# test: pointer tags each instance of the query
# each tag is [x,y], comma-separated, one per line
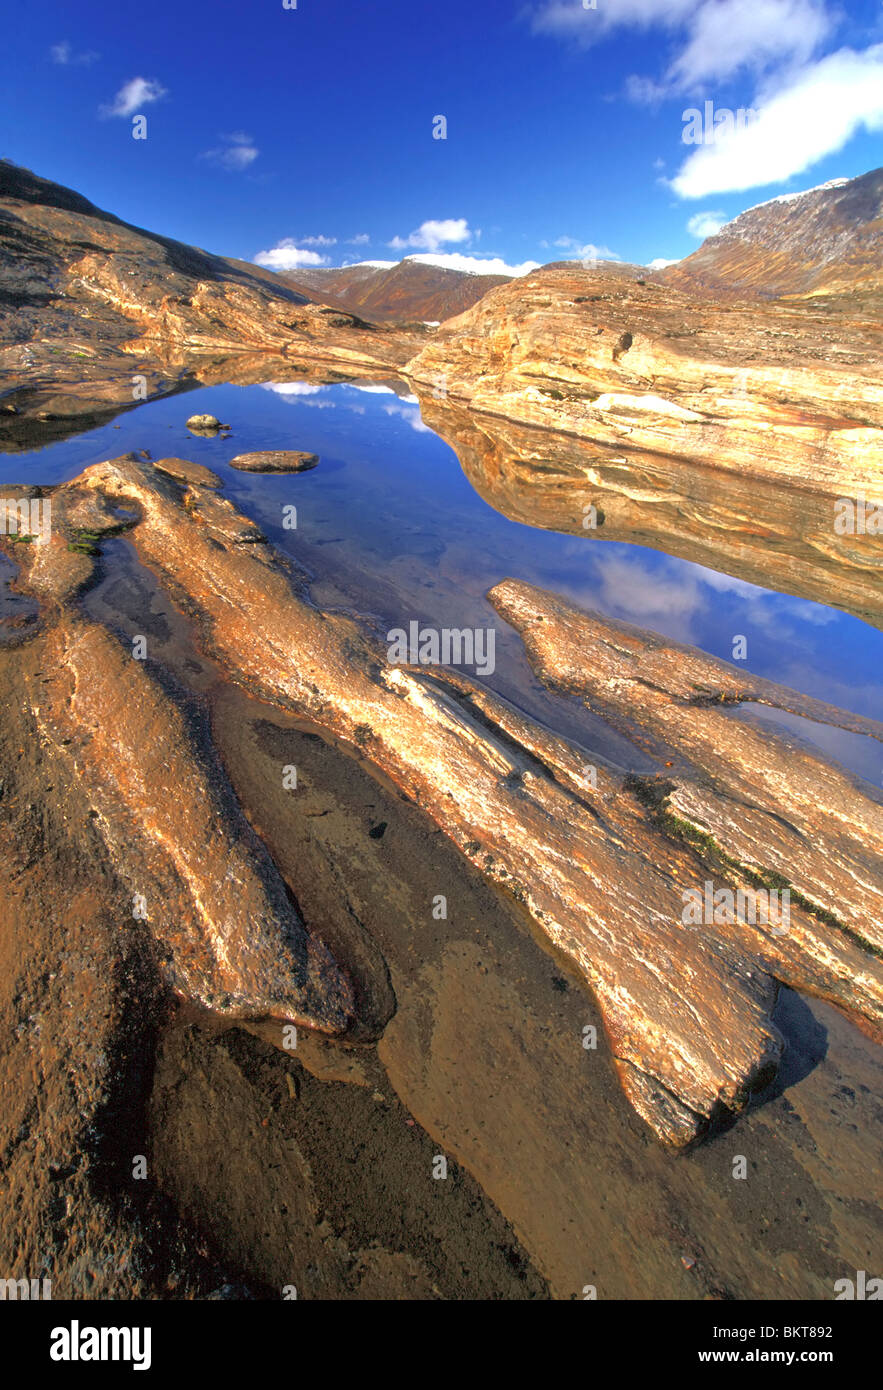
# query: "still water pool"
[389,526]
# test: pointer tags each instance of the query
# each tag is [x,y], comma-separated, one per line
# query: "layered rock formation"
[633,370]
[720,428]
[621,405]
[229,936]
[589,851]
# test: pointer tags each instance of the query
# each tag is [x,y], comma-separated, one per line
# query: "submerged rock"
[275,461]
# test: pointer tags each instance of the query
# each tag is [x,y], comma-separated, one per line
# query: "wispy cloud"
[410,414]
[704,224]
[237,152]
[715,39]
[362,239]
[67,56]
[292,388]
[730,36]
[475,265]
[287,255]
[432,235]
[569,19]
[133,95]
[582,251]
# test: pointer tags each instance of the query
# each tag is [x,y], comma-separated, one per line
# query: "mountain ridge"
[823,240]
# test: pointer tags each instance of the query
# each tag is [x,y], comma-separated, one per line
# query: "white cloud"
[720,37]
[237,152]
[584,251]
[660,263]
[140,91]
[287,255]
[727,36]
[569,19]
[817,111]
[431,235]
[64,54]
[704,224]
[292,388]
[476,265]
[410,415]
[318,240]
[294,393]
[361,240]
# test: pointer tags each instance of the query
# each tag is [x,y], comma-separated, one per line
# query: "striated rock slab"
[228,933]
[230,937]
[687,1011]
[757,808]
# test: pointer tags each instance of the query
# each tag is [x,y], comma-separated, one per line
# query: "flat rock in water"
[275,461]
[186,472]
[204,422]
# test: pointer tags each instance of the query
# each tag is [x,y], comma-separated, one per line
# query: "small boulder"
[275,461]
[204,422]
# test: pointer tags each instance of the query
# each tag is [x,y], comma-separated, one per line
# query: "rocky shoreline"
[163,671]
[689,1020]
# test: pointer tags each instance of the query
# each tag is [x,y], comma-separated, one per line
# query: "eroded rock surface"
[638,369]
[688,1012]
[229,935]
[759,809]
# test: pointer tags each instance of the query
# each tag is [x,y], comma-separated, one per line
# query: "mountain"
[826,240]
[403,290]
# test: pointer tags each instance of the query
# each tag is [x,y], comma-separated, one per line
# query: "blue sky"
[306,135]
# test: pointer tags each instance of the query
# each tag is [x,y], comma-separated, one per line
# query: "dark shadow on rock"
[806,1042]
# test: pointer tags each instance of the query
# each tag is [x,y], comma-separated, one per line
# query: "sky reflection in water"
[390,525]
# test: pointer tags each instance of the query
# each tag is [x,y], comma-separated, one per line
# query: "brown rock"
[275,461]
